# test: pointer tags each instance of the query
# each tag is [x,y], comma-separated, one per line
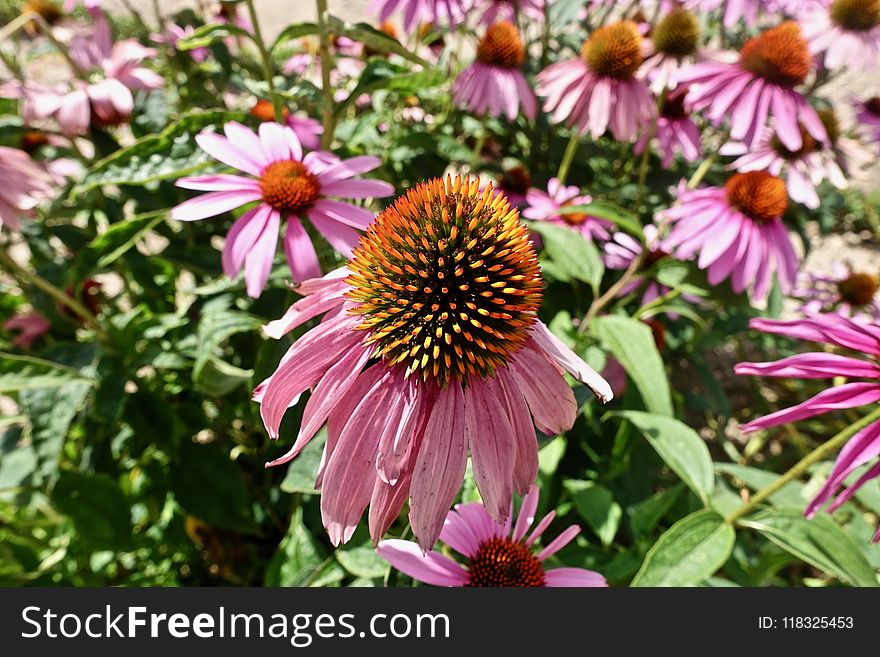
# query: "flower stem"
[568,157]
[706,164]
[644,166]
[268,68]
[804,464]
[24,276]
[600,302]
[328,113]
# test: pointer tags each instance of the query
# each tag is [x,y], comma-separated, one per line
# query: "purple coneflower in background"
[761,84]
[600,89]
[430,344]
[286,185]
[737,231]
[25,184]
[844,333]
[508,10]
[515,183]
[675,131]
[868,115]
[306,129]
[435,12]
[174,33]
[749,11]
[551,206]
[494,83]
[845,32]
[844,291]
[28,327]
[620,251]
[496,556]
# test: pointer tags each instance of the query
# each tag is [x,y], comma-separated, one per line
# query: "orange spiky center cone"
[759,195]
[614,50]
[503,562]
[779,55]
[858,289]
[447,281]
[501,46]
[288,186]
[677,34]
[855,15]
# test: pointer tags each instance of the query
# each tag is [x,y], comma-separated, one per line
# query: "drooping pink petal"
[812,366]
[550,399]
[573,577]
[525,441]
[300,252]
[258,261]
[241,238]
[430,568]
[848,395]
[558,351]
[526,514]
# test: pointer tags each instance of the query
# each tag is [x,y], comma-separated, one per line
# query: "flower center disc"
[858,289]
[503,562]
[572,218]
[677,34]
[873,105]
[289,187]
[614,50]
[447,281]
[779,55]
[674,108]
[501,46]
[831,122]
[808,145]
[264,111]
[31,140]
[757,194]
[856,15]
[515,179]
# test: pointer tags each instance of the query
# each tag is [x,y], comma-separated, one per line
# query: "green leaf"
[31,373]
[645,515]
[373,38]
[610,212]
[818,541]
[362,562]
[573,256]
[210,373]
[632,344]
[688,552]
[171,154]
[383,74]
[564,11]
[301,472]
[295,31]
[112,244]
[298,558]
[98,508]
[596,505]
[680,447]
[209,485]
[206,35]
[757,479]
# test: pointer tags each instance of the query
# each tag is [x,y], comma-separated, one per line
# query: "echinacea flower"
[735,11]
[552,206]
[508,10]
[600,89]
[845,32]
[435,12]
[27,328]
[737,231]
[867,114]
[496,555]
[863,339]
[286,185]
[675,131]
[430,344]
[674,43]
[306,129]
[844,290]
[622,249]
[760,85]
[494,82]
[108,101]
[25,184]
[515,183]
[175,33]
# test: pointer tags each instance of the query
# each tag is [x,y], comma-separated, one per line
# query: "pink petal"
[212,204]
[431,567]
[358,188]
[348,168]
[241,238]
[526,514]
[559,542]
[300,252]
[258,261]
[812,366]
[573,577]
[556,350]
[848,395]
[550,399]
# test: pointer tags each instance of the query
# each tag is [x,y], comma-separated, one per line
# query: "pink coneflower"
[25,184]
[286,185]
[844,291]
[496,556]
[430,343]
[600,89]
[508,10]
[552,206]
[28,329]
[761,84]
[844,333]
[107,102]
[306,129]
[735,11]
[675,131]
[845,32]
[175,33]
[619,253]
[515,183]
[494,83]
[91,6]
[674,43]
[868,116]
[435,12]
[737,231]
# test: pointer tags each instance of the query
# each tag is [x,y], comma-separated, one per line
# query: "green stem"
[328,111]
[804,464]
[24,276]
[644,166]
[568,157]
[268,69]
[602,301]
[659,301]
[705,165]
